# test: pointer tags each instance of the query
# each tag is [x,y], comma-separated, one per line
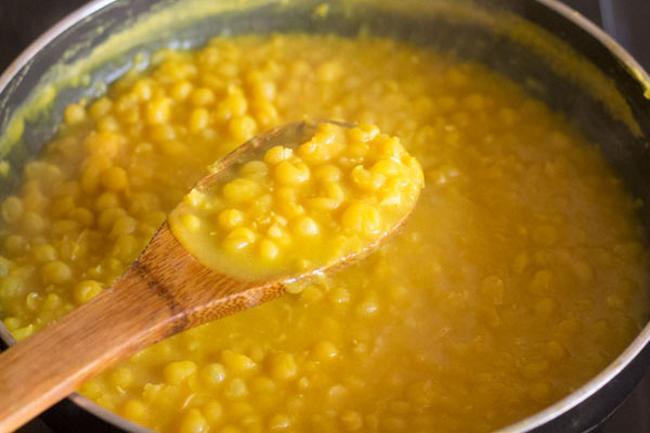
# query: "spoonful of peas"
[300,200]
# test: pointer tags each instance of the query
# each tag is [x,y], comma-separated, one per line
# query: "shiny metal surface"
[577,412]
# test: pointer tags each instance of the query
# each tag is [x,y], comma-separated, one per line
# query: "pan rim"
[531,422]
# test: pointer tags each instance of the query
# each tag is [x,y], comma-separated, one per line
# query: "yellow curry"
[520,274]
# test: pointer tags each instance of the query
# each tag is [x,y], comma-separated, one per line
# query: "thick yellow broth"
[302,206]
[519,276]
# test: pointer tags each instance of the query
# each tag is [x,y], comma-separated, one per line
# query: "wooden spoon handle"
[43,369]
[165,291]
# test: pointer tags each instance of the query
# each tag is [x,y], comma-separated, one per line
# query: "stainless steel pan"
[552,51]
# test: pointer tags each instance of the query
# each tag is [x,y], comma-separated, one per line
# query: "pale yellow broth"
[520,275]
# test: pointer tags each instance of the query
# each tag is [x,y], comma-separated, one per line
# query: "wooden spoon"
[164,291]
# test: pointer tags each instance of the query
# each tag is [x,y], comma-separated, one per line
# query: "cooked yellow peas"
[85,290]
[275,217]
[520,274]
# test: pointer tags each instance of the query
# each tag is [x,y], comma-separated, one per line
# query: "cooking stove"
[21,21]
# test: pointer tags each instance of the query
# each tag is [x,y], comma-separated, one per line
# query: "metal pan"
[549,49]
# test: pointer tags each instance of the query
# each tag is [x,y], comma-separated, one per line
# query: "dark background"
[21,21]
[628,21]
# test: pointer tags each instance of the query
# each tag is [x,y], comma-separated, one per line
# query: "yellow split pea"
[521,272]
[298,210]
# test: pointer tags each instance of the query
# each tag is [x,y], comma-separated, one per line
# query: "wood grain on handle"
[164,292]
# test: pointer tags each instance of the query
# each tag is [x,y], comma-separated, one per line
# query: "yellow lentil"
[74,114]
[176,372]
[85,290]
[114,178]
[56,272]
[12,209]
